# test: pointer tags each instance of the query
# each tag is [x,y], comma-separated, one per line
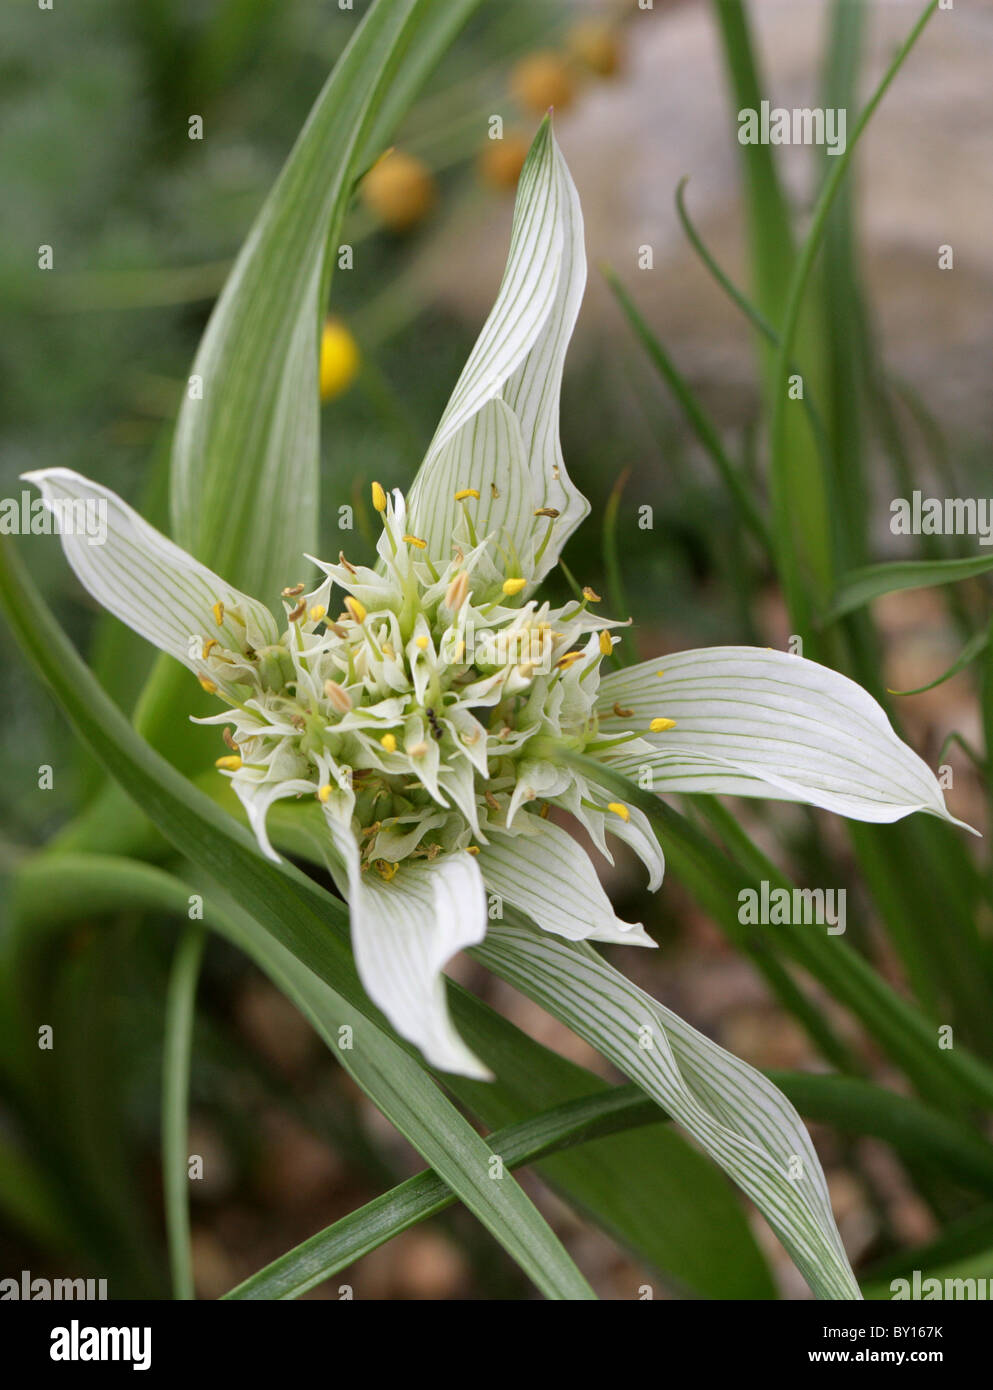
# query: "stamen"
[209,686]
[208,644]
[590,595]
[491,801]
[378,498]
[356,609]
[389,742]
[299,611]
[514,586]
[472,849]
[619,810]
[621,712]
[342,561]
[230,763]
[569,659]
[421,643]
[457,591]
[418,750]
[385,869]
[606,644]
[545,809]
[317,613]
[465,492]
[494,492]
[337,697]
[553,512]
[324,793]
[218,612]
[293,590]
[229,740]
[416,540]
[387,650]
[659,726]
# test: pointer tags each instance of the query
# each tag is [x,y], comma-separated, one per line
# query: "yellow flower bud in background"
[501,161]
[339,359]
[399,190]
[542,80]
[595,44]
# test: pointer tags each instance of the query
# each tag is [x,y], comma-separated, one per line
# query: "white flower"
[425,703]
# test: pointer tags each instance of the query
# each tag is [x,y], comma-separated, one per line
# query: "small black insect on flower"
[436,728]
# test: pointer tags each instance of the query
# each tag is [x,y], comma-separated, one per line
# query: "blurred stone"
[277,1029]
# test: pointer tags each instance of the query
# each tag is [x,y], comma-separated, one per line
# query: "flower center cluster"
[426,705]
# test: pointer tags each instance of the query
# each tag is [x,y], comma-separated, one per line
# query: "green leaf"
[424,1195]
[975,646]
[245,470]
[176,1054]
[916,1131]
[861,586]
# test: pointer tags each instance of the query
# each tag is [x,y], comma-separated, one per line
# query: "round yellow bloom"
[542,80]
[339,359]
[595,44]
[400,190]
[501,161]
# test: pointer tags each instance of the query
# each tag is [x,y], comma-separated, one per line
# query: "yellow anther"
[590,595]
[660,673]
[459,651]
[569,659]
[513,586]
[218,612]
[385,869]
[230,763]
[659,726]
[421,643]
[378,497]
[208,644]
[317,613]
[356,609]
[606,645]
[389,742]
[387,650]
[472,849]
[619,810]
[209,686]
[465,492]
[543,813]
[323,793]
[416,540]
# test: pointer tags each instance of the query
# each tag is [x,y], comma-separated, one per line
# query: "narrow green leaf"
[861,586]
[176,1055]
[245,469]
[424,1195]
[916,1131]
